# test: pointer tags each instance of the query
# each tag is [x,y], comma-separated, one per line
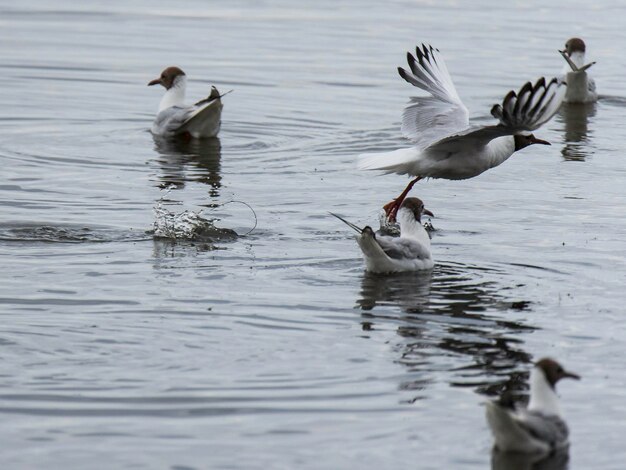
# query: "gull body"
[175,118]
[539,428]
[408,252]
[581,88]
[445,146]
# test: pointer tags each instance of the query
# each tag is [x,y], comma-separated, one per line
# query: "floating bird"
[445,146]
[408,252]
[581,88]
[540,428]
[175,118]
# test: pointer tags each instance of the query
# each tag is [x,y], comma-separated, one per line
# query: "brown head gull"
[445,146]
[581,88]
[408,252]
[175,118]
[539,428]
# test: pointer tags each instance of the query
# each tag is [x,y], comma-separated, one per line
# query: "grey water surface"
[274,349]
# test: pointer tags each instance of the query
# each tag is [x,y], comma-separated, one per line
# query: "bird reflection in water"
[442,318]
[575,118]
[183,160]
[517,461]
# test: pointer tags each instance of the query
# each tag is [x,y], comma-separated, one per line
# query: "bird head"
[169,77]
[524,140]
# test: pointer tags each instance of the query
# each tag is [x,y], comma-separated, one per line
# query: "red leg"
[391,208]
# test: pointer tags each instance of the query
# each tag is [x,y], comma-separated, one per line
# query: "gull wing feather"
[206,113]
[178,119]
[402,248]
[524,111]
[428,119]
[550,429]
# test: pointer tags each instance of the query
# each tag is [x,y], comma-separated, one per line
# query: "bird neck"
[500,149]
[175,96]
[411,228]
[543,398]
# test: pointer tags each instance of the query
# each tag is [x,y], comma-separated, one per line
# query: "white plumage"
[175,118]
[445,146]
[539,428]
[581,88]
[408,252]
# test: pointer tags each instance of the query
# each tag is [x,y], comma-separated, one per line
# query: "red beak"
[539,141]
[428,213]
[156,81]
[570,375]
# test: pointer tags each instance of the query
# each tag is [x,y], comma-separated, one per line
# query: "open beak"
[428,213]
[156,81]
[570,375]
[535,140]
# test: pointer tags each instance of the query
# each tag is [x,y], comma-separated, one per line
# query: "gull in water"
[175,118]
[540,428]
[408,252]
[581,88]
[445,146]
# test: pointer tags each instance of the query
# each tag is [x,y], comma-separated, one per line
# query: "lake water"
[276,350]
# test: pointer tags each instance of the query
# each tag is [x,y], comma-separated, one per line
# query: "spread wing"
[402,248]
[428,119]
[524,111]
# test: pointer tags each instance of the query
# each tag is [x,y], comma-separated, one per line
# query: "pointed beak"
[562,51]
[539,141]
[570,375]
[428,213]
[156,81]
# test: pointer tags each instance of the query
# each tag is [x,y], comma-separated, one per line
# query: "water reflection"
[575,117]
[515,461]
[184,160]
[443,311]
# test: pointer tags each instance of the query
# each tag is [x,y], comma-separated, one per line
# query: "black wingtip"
[496,111]
[541,83]
[419,54]
[214,93]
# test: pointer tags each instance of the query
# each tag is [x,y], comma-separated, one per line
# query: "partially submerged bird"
[581,88]
[408,252]
[175,118]
[540,427]
[445,146]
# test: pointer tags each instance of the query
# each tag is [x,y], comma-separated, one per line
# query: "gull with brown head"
[539,428]
[174,118]
[445,146]
[408,252]
[581,88]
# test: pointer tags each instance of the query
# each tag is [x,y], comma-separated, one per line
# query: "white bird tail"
[399,161]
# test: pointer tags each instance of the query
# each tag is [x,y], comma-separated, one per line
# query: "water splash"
[188,226]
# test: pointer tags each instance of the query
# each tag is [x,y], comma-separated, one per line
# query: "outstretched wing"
[429,119]
[532,106]
[524,111]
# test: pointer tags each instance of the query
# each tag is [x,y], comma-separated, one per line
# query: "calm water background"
[277,350]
